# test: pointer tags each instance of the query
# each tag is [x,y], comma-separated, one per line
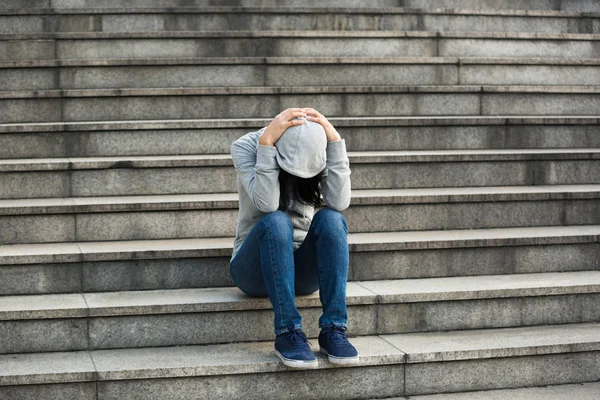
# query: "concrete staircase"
[473,130]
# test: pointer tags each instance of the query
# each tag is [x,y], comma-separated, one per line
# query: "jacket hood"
[302,149]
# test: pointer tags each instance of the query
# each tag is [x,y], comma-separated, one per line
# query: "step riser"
[64,391]
[218,141]
[267,21]
[203,272]
[204,328]
[382,381]
[144,48]
[359,382]
[567,5]
[140,181]
[500,373]
[304,75]
[181,224]
[266,105]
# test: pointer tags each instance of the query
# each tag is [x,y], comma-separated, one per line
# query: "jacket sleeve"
[258,171]
[335,183]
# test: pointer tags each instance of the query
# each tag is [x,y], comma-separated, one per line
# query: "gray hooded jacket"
[258,185]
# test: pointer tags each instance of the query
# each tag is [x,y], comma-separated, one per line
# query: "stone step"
[90,321]
[579,391]
[198,174]
[340,101]
[24,21]
[568,5]
[390,365]
[177,44]
[83,219]
[135,138]
[307,71]
[204,262]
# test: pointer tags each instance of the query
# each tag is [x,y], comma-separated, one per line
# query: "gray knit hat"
[302,149]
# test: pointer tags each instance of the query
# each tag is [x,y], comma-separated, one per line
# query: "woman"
[282,247]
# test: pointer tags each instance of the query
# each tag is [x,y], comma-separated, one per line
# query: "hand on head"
[315,116]
[287,118]
[280,123]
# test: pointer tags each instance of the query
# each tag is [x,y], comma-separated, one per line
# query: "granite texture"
[435,347]
[487,313]
[380,211]
[298,43]
[19,185]
[64,391]
[569,5]
[166,103]
[470,261]
[487,374]
[156,225]
[49,306]
[40,278]
[44,335]
[234,358]
[310,19]
[582,391]
[451,72]
[210,327]
[197,140]
[124,181]
[156,274]
[351,383]
[481,47]
[358,242]
[37,228]
[369,172]
[202,316]
[253,75]
[46,368]
[437,362]
[248,47]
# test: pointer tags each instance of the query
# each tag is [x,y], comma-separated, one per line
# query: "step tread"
[359,197]
[579,391]
[358,157]
[256,123]
[170,301]
[374,241]
[256,357]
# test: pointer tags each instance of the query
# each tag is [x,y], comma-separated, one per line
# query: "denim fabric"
[267,265]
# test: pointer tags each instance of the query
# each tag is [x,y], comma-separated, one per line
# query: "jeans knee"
[280,224]
[330,220]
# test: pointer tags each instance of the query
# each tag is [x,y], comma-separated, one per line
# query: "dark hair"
[306,190]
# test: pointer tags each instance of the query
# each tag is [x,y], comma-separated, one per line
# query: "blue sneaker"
[334,342]
[293,349]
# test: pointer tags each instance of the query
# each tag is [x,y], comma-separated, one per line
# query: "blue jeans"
[267,265]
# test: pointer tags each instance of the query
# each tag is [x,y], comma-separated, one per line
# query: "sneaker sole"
[340,360]
[297,363]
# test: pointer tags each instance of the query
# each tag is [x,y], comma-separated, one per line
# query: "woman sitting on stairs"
[282,247]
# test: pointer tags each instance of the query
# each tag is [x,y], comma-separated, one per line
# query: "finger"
[293,122]
[312,111]
[297,114]
[293,110]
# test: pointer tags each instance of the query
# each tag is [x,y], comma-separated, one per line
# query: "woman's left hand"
[315,116]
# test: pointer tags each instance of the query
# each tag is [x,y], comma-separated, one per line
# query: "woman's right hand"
[280,123]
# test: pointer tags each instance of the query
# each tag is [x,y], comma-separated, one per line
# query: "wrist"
[265,140]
